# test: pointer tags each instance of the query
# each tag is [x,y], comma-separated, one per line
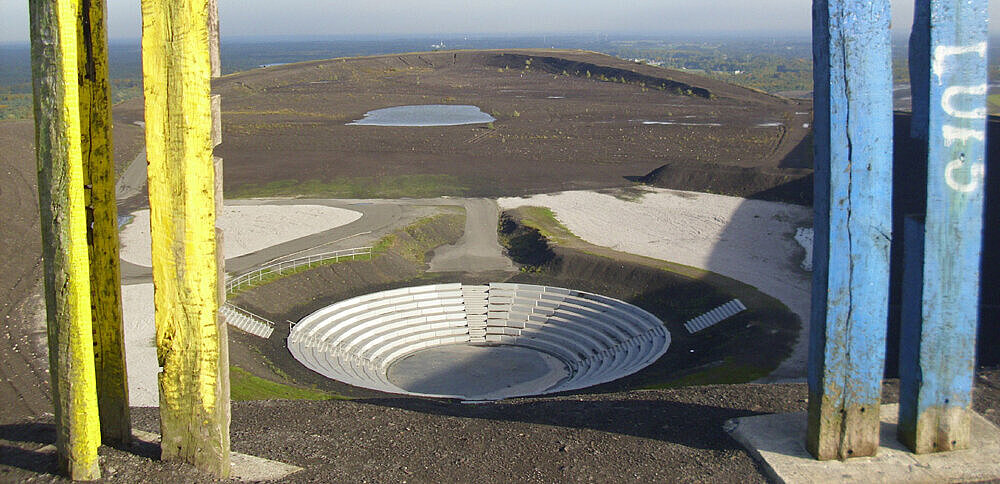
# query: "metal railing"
[247,321]
[278,268]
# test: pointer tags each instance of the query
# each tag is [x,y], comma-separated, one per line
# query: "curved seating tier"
[597,338]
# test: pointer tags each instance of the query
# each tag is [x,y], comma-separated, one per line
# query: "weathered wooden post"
[99,179]
[79,231]
[194,393]
[941,280]
[853,194]
[64,235]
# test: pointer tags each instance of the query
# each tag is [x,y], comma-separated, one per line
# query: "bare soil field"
[645,436]
[24,385]
[565,120]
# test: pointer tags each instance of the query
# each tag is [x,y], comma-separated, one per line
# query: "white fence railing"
[281,267]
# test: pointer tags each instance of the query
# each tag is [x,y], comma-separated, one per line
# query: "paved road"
[478,249]
[131,182]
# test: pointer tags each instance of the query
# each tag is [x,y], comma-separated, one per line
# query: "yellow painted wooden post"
[102,218]
[194,396]
[64,234]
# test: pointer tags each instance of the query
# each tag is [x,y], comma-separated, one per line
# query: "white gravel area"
[749,240]
[140,345]
[247,228]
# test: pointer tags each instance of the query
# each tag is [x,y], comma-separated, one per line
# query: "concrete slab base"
[243,467]
[778,442]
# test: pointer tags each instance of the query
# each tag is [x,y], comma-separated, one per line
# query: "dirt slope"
[24,381]
[24,385]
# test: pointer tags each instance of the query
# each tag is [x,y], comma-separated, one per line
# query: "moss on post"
[102,236]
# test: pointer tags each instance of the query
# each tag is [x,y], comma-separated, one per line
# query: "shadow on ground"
[30,446]
[21,443]
[688,424]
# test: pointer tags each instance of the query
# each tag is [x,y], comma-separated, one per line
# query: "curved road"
[131,181]
[477,250]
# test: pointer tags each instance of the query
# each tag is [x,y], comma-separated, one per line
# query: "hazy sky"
[397,17]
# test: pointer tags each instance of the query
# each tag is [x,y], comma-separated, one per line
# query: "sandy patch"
[248,228]
[140,345]
[749,240]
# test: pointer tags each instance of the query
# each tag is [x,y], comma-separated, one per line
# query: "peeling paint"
[941,273]
[851,251]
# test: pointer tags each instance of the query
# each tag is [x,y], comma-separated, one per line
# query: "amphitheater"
[478,342]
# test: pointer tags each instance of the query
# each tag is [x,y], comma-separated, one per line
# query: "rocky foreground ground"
[644,436]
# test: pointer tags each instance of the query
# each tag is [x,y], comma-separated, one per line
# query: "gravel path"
[478,249]
[133,179]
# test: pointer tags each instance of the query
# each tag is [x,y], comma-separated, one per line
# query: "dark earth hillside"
[285,127]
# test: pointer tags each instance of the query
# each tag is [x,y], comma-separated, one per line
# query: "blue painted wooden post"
[853,196]
[949,42]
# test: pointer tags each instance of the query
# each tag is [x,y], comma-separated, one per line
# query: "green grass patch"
[398,186]
[426,234]
[545,222]
[384,244]
[245,386]
[726,373]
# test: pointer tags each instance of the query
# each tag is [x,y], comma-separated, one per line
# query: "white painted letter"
[976,174]
[978,113]
[952,134]
[942,52]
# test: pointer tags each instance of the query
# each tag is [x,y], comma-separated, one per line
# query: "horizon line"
[615,35]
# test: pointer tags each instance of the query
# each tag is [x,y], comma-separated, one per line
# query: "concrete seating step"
[597,338]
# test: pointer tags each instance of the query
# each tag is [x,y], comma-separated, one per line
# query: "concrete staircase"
[715,316]
[247,321]
[476,310]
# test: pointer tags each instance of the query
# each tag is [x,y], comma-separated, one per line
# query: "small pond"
[425,115]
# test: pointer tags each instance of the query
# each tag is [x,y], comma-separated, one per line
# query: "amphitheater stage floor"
[477,372]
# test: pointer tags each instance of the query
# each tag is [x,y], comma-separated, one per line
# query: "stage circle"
[478,342]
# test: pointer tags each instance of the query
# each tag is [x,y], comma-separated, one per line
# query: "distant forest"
[776,65]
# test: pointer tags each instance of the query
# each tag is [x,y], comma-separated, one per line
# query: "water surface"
[425,115]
